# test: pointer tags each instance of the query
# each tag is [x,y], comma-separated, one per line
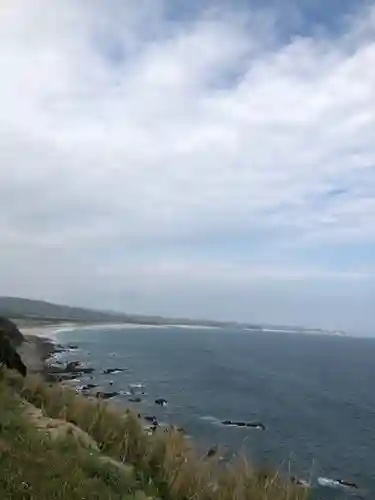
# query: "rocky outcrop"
[10,330]
[10,357]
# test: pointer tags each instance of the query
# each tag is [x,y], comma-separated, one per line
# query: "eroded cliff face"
[10,339]
[10,330]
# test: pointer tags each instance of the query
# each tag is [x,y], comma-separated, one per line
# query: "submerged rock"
[135,399]
[72,347]
[76,367]
[254,425]
[336,483]
[161,402]
[152,419]
[348,484]
[86,370]
[113,371]
[72,365]
[88,387]
[106,395]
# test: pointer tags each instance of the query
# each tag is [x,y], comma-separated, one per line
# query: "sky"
[206,159]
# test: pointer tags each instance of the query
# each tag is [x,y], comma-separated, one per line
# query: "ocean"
[314,393]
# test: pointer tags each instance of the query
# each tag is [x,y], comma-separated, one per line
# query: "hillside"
[29,310]
[55,444]
[15,307]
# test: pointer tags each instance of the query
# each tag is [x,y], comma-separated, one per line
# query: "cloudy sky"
[203,158]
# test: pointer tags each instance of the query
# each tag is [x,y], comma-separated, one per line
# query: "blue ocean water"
[314,393]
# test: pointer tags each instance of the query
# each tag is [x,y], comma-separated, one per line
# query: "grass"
[165,465]
[34,467]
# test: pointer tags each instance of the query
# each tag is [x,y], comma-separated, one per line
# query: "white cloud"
[121,129]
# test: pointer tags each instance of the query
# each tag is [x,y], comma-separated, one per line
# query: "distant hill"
[40,310]
[29,309]
[15,307]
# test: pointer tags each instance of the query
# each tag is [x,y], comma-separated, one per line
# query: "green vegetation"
[55,444]
[32,466]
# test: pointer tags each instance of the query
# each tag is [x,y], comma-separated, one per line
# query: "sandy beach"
[51,331]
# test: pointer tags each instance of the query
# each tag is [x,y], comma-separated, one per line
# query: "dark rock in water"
[61,377]
[212,452]
[348,484]
[106,395]
[239,424]
[10,330]
[10,357]
[59,348]
[113,371]
[161,402]
[72,347]
[135,400]
[151,419]
[72,366]
[76,367]
[88,387]
[254,425]
[86,370]
[55,369]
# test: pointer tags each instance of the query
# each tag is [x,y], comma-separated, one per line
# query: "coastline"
[34,351]
[42,341]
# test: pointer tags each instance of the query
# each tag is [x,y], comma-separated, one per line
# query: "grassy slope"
[34,467]
[164,465]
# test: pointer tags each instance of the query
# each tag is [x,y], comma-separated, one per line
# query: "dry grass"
[34,467]
[165,462]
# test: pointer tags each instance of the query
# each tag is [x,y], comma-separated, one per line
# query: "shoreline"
[43,342]
[51,331]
